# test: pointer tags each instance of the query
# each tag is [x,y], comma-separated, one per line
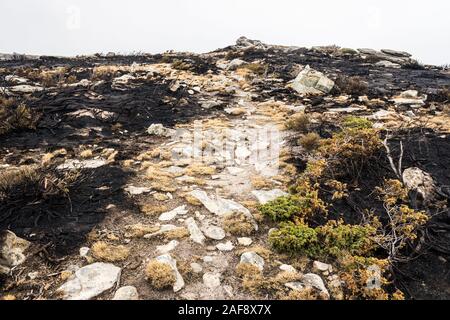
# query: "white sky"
[70,27]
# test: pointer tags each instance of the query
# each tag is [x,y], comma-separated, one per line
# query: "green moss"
[357,123]
[333,239]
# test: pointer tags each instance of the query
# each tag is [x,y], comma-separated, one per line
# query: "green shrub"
[337,237]
[282,209]
[357,123]
[295,238]
[333,239]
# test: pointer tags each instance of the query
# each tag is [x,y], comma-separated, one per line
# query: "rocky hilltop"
[251,172]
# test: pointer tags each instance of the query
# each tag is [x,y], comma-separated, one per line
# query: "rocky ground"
[142,177]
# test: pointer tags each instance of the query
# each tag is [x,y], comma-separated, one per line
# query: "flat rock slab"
[267,196]
[90,281]
[166,216]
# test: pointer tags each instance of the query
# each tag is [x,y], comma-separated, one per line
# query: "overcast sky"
[70,27]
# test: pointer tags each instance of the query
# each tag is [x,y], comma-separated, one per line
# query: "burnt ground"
[88,115]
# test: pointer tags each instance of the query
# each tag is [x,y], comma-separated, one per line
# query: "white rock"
[135,191]
[410,97]
[196,234]
[244,241]
[288,268]
[320,266]
[179,282]
[90,281]
[25,88]
[213,232]
[167,247]
[126,293]
[84,251]
[266,196]
[77,164]
[166,216]
[253,258]
[196,267]
[227,246]
[211,280]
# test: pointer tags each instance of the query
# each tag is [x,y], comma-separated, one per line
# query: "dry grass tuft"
[309,141]
[237,224]
[153,210]
[198,169]
[160,275]
[299,122]
[139,230]
[107,252]
[176,234]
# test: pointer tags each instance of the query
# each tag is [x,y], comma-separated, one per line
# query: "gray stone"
[395,53]
[90,281]
[213,232]
[126,293]
[421,182]
[310,81]
[253,258]
[196,234]
[166,216]
[12,250]
[315,281]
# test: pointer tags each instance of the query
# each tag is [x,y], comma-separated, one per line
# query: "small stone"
[211,280]
[320,266]
[196,267]
[244,241]
[126,293]
[196,234]
[315,281]
[166,216]
[227,246]
[160,196]
[159,130]
[12,251]
[84,251]
[214,232]
[288,268]
[135,191]
[167,247]
[253,258]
